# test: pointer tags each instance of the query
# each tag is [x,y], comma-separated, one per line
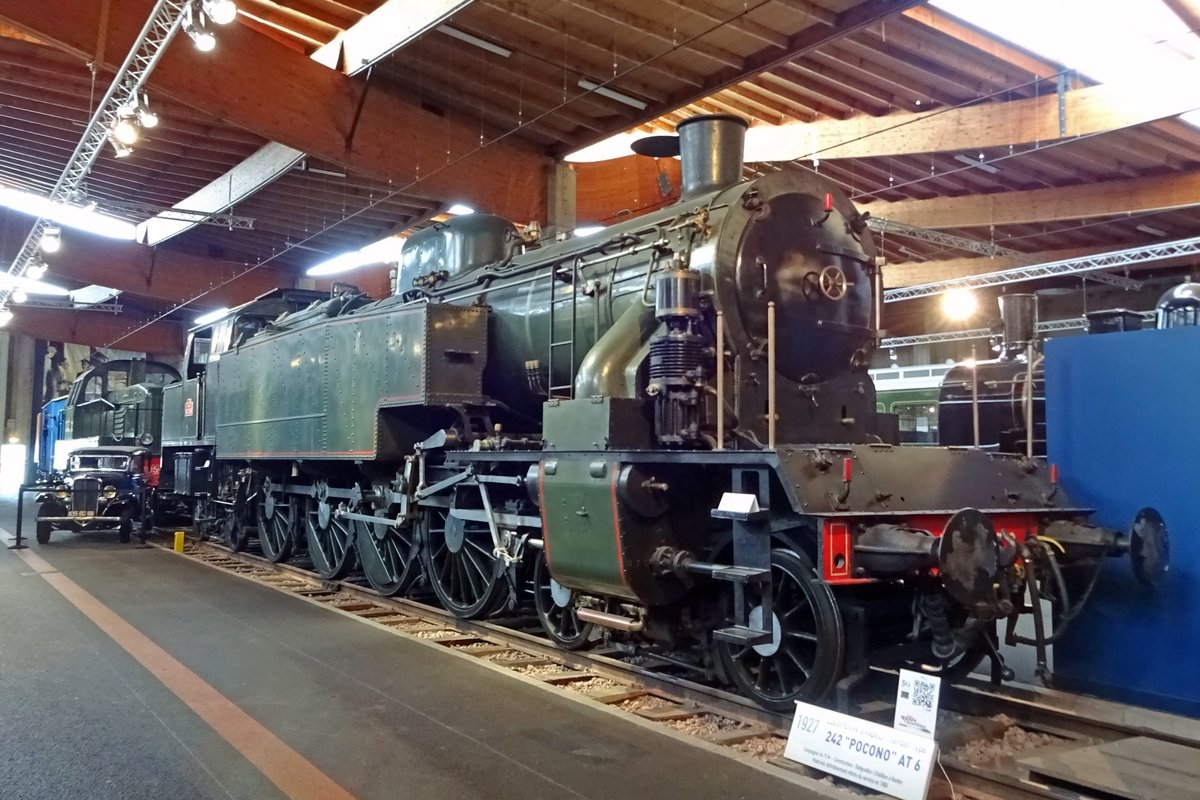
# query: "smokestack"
[1018,313]
[711,148]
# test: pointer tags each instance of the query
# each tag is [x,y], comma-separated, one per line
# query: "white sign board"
[917,703]
[738,503]
[876,756]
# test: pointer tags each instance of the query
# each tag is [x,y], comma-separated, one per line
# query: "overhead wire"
[617,76]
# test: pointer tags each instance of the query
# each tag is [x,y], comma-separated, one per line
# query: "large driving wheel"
[276,523]
[388,554]
[804,657]
[466,576]
[557,609]
[234,531]
[330,538]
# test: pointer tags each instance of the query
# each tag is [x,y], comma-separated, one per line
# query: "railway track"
[984,733]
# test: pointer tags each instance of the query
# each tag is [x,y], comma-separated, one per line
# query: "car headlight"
[60,494]
[110,492]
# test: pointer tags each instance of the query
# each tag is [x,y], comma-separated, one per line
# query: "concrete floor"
[379,715]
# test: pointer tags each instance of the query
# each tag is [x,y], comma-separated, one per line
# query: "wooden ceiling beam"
[287,39]
[918,272]
[294,100]
[981,41]
[810,38]
[159,273]
[1108,198]
[508,79]
[749,27]
[807,75]
[1088,111]
[532,17]
[310,30]
[99,329]
[649,29]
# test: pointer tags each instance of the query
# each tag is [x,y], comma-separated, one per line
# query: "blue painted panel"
[1123,424]
[52,431]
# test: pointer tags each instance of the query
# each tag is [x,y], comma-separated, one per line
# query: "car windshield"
[100,461]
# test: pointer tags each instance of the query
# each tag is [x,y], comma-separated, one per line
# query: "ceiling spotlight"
[51,240]
[119,150]
[5,317]
[18,296]
[221,12]
[195,25]
[203,40]
[458,209]
[36,271]
[126,129]
[146,116]
[959,304]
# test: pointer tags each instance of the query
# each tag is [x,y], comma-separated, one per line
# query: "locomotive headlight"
[110,492]
[959,304]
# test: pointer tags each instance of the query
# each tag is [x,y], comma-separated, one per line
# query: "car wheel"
[125,530]
[44,528]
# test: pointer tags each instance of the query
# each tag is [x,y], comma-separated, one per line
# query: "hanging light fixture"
[36,271]
[126,129]
[195,25]
[199,14]
[146,116]
[222,12]
[51,241]
[18,296]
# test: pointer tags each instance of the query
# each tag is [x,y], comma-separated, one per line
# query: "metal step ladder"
[564,391]
[752,561]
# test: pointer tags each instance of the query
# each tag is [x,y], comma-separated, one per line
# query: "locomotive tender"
[665,432]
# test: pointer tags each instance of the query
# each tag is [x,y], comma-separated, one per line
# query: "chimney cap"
[713,118]
[667,145]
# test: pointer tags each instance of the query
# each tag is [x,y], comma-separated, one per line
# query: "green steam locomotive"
[662,436]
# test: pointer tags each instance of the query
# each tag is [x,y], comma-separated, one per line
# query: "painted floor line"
[296,776]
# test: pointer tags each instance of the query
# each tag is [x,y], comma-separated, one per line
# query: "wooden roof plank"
[1067,203]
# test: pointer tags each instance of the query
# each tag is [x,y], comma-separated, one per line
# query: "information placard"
[876,756]
[917,697]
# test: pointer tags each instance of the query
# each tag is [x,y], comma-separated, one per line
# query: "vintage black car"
[102,488]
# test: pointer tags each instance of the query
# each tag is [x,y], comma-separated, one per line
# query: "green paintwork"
[321,390]
[596,423]
[181,428]
[580,529]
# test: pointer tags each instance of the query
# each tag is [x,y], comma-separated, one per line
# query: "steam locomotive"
[663,436]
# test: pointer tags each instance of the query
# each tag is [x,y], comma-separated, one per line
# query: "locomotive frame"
[664,436]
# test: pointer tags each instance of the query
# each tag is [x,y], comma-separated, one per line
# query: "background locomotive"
[666,430]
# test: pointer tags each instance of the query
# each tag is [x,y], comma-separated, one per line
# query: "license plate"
[81,513]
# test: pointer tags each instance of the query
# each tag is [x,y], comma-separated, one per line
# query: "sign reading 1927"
[895,762]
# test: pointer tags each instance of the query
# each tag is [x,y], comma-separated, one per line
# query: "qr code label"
[917,702]
[923,694]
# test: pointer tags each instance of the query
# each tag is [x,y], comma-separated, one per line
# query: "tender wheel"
[388,555]
[330,540]
[804,658]
[276,525]
[556,609]
[233,529]
[466,577]
[125,526]
[44,529]
[957,668]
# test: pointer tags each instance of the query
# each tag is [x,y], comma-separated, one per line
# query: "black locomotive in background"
[663,435]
